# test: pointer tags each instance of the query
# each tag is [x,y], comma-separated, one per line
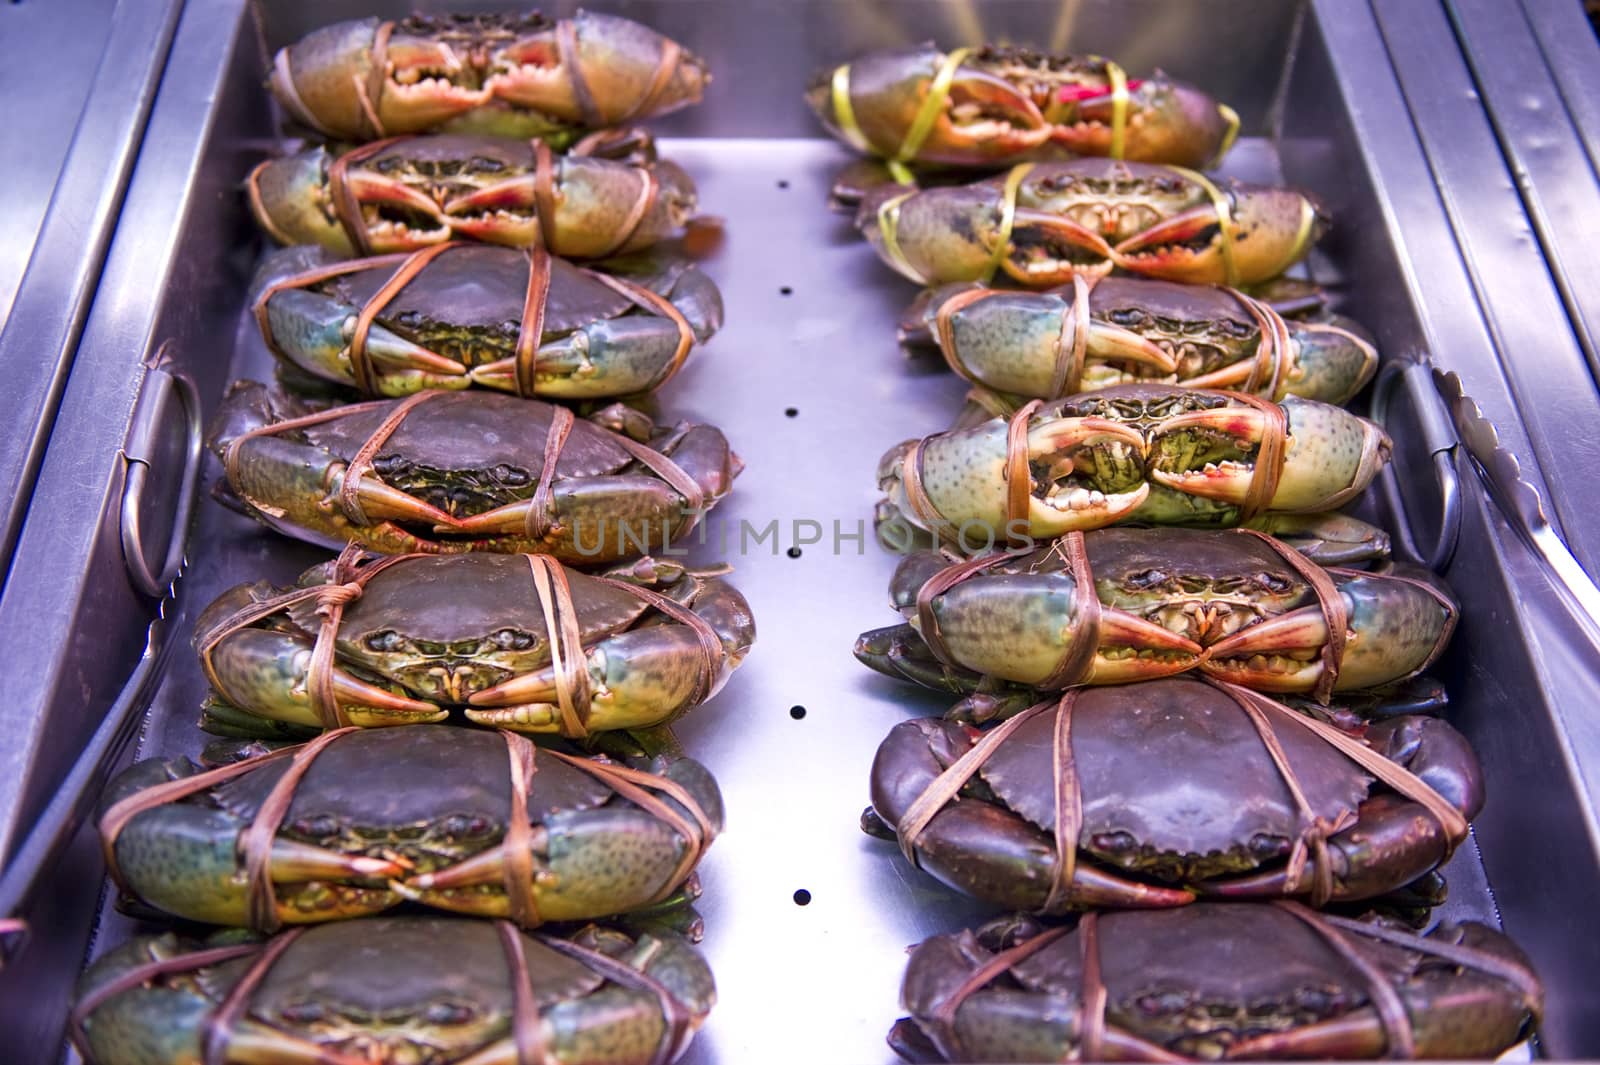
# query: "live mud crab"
[1235,605]
[513,641]
[1151,795]
[359,821]
[461,315]
[406,193]
[991,106]
[1157,454]
[395,991]
[509,75]
[1215,982]
[449,472]
[1041,223]
[1080,337]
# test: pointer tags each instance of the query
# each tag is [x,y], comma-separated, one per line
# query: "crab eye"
[320,827]
[465,826]
[388,640]
[448,1013]
[307,1012]
[1127,316]
[509,475]
[428,647]
[512,640]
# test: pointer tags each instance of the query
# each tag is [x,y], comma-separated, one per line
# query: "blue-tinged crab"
[1151,795]
[514,641]
[992,106]
[1233,604]
[449,472]
[1157,454]
[485,824]
[406,193]
[1215,982]
[510,75]
[1042,223]
[459,315]
[394,991]
[1081,338]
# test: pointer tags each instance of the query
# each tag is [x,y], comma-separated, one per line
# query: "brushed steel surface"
[815,982]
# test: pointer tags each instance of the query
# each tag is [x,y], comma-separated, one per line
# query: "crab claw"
[314,332]
[1335,360]
[1047,249]
[1082,454]
[287,196]
[1273,229]
[1176,123]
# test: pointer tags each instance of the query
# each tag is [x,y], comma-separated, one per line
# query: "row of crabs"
[506,584]
[1194,752]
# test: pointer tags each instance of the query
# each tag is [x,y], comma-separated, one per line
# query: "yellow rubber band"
[1226,228]
[1231,117]
[1008,218]
[888,227]
[844,114]
[932,105]
[1302,240]
[900,172]
[1119,107]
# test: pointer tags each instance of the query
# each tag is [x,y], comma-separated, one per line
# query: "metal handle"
[1521,505]
[144,432]
[69,808]
[1440,439]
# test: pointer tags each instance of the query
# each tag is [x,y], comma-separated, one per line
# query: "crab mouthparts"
[1092,466]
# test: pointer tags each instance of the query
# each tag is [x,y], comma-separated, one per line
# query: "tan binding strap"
[346,205]
[1018,477]
[653,301]
[710,644]
[258,206]
[544,194]
[316,276]
[1083,639]
[230,455]
[530,332]
[1093,996]
[141,974]
[944,1014]
[527,1031]
[217,1031]
[1067,379]
[1518,976]
[568,662]
[361,463]
[360,361]
[369,91]
[1335,614]
[649,191]
[1399,1038]
[1008,219]
[677,1023]
[1267,470]
[922,508]
[666,66]
[1068,807]
[567,49]
[1118,80]
[937,585]
[516,847]
[1227,227]
[539,523]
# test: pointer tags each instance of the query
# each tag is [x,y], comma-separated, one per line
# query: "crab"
[1042,223]
[394,991]
[1157,454]
[1148,986]
[448,472]
[1150,795]
[509,75]
[317,832]
[1034,345]
[992,106]
[406,193]
[499,637]
[460,316]
[1236,605]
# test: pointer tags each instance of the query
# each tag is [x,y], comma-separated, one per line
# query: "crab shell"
[456,324]
[1158,454]
[1139,330]
[418,814]
[1207,982]
[1172,600]
[434,633]
[415,192]
[494,74]
[398,991]
[1007,104]
[1180,799]
[458,475]
[1088,216]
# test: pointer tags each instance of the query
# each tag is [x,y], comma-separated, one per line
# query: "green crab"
[459,320]
[1033,345]
[485,634]
[1042,223]
[509,75]
[1231,604]
[1295,985]
[394,991]
[994,105]
[450,472]
[1156,454]
[406,193]
[596,838]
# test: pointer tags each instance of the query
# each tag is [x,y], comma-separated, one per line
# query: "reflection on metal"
[1440,442]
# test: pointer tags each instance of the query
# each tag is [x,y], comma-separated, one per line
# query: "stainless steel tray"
[809,385]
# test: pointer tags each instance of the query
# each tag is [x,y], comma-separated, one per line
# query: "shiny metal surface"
[791,737]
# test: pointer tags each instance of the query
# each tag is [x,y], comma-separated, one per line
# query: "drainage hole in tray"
[794,552]
[797,712]
[786,291]
[791,412]
[802,897]
[783,183]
